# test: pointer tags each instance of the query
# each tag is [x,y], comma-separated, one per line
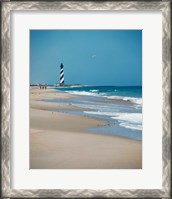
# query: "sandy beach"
[61,140]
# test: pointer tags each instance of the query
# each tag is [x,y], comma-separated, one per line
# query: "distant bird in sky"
[93,56]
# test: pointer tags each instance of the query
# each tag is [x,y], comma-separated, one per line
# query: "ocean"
[121,106]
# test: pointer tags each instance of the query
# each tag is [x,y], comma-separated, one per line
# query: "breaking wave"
[95,93]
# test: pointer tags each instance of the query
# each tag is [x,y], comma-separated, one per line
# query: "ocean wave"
[82,93]
[137,101]
[94,91]
[129,120]
[131,126]
[100,113]
[130,99]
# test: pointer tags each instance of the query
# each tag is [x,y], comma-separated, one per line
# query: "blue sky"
[90,57]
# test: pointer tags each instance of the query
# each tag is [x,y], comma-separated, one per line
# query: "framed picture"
[86,99]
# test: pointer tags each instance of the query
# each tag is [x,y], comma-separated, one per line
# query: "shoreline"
[61,140]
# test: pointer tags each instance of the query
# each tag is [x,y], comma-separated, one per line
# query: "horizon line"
[55,84]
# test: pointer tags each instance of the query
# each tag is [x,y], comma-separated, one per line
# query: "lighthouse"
[61,75]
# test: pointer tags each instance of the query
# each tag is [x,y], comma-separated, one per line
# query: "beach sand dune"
[61,140]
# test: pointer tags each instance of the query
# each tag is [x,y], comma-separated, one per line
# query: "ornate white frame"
[7,7]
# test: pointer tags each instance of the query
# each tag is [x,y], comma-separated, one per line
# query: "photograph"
[85,99]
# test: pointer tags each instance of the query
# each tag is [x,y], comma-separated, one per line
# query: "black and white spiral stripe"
[61,74]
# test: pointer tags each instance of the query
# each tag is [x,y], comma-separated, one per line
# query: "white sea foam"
[137,101]
[94,91]
[130,120]
[82,93]
[100,113]
[127,120]
[131,126]
[134,100]
[130,99]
